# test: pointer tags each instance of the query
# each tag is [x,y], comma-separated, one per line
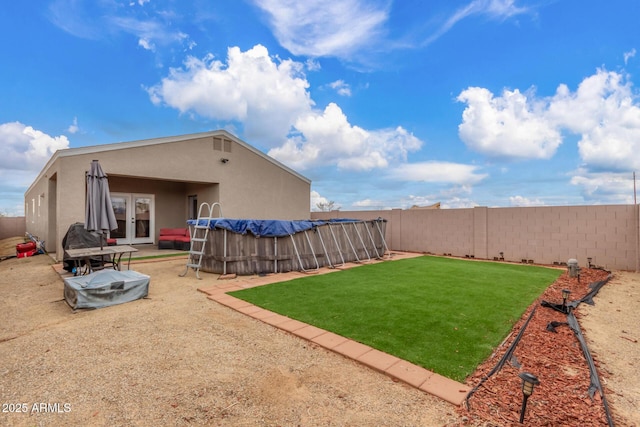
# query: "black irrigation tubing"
[572,322]
[508,354]
[595,380]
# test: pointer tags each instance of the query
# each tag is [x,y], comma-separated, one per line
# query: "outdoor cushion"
[174,238]
[174,232]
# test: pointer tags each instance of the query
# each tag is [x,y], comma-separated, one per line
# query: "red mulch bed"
[562,398]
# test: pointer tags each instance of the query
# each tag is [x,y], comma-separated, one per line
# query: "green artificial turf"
[444,314]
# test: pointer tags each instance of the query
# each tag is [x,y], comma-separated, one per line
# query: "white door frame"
[138,220]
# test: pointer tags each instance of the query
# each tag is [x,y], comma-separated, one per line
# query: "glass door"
[136,217]
[120,203]
[142,218]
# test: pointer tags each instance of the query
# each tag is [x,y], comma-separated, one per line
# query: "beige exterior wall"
[544,235]
[248,184]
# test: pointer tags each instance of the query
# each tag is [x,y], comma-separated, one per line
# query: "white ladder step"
[199,234]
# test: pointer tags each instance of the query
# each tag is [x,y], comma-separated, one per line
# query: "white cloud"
[328,138]
[442,172]
[312,65]
[347,28]
[149,32]
[605,187]
[494,9]
[499,9]
[458,203]
[26,148]
[25,151]
[629,55]
[603,111]
[319,28]
[370,204]
[264,93]
[341,87]
[525,201]
[146,45]
[316,199]
[105,19]
[512,125]
[270,98]
[74,18]
[73,128]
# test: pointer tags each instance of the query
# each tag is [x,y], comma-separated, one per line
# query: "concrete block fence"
[12,226]
[607,234]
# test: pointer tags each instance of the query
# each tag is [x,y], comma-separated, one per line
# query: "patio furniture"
[108,254]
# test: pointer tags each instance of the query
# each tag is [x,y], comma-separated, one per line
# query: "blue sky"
[382,104]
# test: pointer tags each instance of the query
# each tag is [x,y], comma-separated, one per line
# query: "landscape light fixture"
[589,261]
[565,297]
[501,256]
[529,381]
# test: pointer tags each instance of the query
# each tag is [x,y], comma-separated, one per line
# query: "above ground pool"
[249,246]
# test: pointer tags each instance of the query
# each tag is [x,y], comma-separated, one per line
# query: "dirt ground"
[612,328]
[177,358]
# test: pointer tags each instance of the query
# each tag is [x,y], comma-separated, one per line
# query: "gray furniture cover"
[104,288]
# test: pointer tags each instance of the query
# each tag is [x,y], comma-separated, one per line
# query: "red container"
[25,247]
[32,252]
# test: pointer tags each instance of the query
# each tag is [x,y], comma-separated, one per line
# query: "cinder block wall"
[544,235]
[12,226]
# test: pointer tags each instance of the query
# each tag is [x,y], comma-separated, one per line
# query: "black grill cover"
[77,237]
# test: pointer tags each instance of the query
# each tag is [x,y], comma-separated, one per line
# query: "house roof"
[158,141]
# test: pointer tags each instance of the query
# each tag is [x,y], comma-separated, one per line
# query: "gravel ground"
[612,330]
[177,358]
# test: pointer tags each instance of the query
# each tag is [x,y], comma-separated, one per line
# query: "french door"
[135,214]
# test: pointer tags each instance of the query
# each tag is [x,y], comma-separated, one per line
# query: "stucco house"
[159,183]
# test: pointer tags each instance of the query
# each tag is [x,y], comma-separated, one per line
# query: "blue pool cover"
[266,227]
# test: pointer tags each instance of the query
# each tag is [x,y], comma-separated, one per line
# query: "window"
[193,206]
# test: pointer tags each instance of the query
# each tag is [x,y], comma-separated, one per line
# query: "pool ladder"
[198,234]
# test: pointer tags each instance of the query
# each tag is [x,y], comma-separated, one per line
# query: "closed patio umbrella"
[99,215]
